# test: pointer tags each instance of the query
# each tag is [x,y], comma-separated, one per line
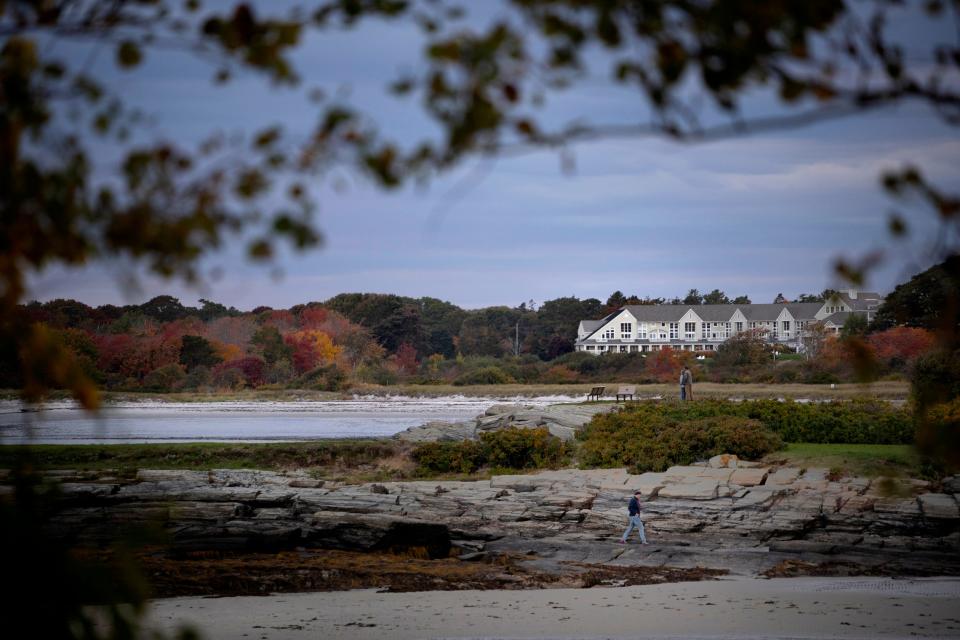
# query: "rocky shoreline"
[561,420]
[728,516]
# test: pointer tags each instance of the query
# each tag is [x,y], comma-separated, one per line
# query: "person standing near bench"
[686,384]
[635,522]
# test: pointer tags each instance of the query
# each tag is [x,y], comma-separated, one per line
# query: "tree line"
[351,338]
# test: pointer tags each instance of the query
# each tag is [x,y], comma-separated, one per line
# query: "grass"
[885,390]
[870,460]
[346,457]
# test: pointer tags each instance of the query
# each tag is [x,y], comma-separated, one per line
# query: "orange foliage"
[665,365]
[901,344]
[311,348]
[226,351]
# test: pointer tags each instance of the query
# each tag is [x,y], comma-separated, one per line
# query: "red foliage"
[282,320]
[191,326]
[313,317]
[135,356]
[251,367]
[407,358]
[311,348]
[665,365]
[900,345]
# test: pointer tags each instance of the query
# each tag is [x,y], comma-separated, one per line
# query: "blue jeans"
[635,523]
[683,392]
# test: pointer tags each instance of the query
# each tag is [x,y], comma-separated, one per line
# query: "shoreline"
[734,607]
[882,390]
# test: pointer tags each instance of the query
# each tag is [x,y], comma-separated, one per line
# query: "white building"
[642,328]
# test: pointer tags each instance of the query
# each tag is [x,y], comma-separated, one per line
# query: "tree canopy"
[484,84]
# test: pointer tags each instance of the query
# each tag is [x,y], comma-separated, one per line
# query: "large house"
[641,328]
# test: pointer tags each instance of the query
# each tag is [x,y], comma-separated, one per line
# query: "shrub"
[448,457]
[649,442]
[328,378]
[251,368]
[522,448]
[165,378]
[486,375]
[559,374]
[506,448]
[377,374]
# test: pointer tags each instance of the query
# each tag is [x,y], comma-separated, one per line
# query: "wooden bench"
[625,392]
[595,393]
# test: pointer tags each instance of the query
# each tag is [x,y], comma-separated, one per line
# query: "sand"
[728,608]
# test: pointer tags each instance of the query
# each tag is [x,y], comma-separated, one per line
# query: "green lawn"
[871,460]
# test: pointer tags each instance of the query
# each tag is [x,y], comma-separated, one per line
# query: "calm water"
[65,423]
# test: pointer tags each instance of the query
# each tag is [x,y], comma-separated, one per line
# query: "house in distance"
[644,328]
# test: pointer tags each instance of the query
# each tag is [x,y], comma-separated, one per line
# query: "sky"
[756,215]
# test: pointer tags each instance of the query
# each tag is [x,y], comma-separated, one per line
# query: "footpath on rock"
[233,532]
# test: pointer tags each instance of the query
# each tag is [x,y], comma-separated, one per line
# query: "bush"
[505,448]
[377,374]
[648,442]
[165,378]
[677,431]
[328,378]
[522,448]
[486,375]
[448,457]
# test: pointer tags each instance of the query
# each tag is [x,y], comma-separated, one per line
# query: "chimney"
[851,293]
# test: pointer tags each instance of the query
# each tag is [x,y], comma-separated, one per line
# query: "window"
[608,334]
[589,347]
[623,348]
[689,330]
[698,347]
[739,326]
[726,330]
[674,331]
[706,331]
[626,330]
[786,325]
[642,331]
[634,348]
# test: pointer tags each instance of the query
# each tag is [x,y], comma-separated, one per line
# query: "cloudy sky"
[755,215]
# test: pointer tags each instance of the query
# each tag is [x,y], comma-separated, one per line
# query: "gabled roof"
[763,312]
[659,312]
[716,312]
[591,325]
[838,318]
[865,300]
[804,310]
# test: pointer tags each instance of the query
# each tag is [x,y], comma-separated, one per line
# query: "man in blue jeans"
[635,522]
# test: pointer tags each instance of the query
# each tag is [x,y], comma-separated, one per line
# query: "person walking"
[683,389]
[686,381]
[635,522]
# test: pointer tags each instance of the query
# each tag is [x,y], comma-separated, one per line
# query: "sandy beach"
[729,608]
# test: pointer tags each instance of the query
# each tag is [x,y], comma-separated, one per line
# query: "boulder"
[939,505]
[695,489]
[724,461]
[749,477]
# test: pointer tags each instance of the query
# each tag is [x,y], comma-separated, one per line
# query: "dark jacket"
[634,506]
